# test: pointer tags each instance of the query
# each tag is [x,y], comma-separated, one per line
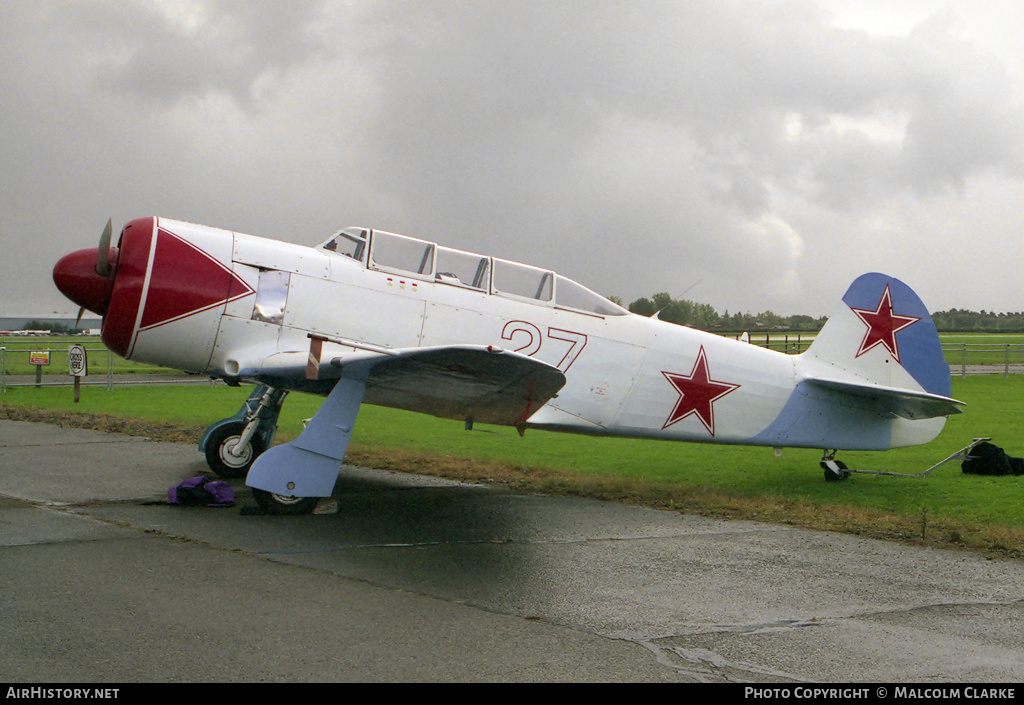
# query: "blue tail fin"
[884,335]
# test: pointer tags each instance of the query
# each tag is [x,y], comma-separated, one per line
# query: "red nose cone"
[75,275]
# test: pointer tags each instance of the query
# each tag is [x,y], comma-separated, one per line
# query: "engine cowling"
[163,293]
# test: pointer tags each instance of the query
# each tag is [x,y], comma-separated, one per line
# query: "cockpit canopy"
[400,254]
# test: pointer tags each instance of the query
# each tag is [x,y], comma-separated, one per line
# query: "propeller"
[102,260]
[103,253]
[87,277]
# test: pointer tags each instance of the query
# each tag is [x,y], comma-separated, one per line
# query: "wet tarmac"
[407,578]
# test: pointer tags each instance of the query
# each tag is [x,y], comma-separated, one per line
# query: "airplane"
[382,318]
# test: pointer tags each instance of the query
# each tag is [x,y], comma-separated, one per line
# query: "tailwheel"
[835,470]
[223,455]
[281,504]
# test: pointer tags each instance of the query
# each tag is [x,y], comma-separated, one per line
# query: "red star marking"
[697,394]
[883,325]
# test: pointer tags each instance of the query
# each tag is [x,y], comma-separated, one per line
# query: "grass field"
[944,508]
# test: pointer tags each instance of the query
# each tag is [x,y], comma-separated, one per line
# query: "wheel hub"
[227,453]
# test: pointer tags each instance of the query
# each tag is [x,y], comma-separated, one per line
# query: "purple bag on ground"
[202,491]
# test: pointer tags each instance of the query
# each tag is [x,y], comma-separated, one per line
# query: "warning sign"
[77,362]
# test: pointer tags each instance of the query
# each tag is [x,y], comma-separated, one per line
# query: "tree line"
[704,317]
[963,321]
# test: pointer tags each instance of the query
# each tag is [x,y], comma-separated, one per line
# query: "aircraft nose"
[76,276]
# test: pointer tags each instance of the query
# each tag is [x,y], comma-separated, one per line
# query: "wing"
[479,382]
[484,385]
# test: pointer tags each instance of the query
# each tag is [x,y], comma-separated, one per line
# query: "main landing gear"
[232,445]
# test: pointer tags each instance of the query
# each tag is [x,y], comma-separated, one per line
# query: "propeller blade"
[103,251]
[79,319]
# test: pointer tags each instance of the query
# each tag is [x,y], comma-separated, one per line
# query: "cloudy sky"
[753,154]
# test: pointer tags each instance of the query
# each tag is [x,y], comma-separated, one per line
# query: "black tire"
[831,476]
[220,459]
[279,504]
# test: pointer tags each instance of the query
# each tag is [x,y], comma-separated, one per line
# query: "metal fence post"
[963,363]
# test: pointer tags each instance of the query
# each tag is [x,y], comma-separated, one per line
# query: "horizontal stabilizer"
[905,403]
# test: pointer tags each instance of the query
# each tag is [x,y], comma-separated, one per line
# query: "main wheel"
[220,444]
[280,504]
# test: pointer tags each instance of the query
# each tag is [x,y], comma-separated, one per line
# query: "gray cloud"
[168,52]
[755,147]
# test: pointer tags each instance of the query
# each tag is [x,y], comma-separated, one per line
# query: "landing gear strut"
[232,445]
